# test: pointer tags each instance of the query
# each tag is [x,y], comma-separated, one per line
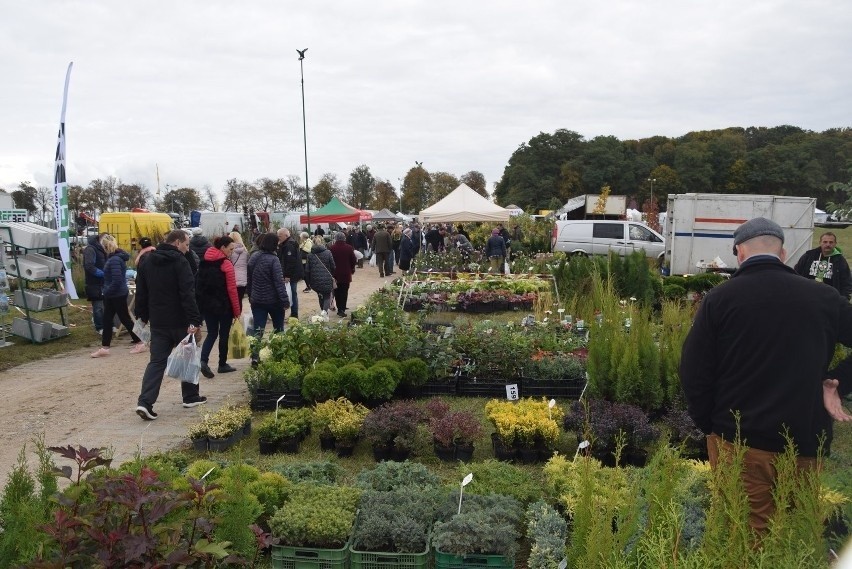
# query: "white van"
[600,237]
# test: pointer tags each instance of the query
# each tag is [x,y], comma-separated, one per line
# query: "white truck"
[699,228]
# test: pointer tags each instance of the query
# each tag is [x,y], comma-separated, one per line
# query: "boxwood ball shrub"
[320,384]
[414,372]
[378,383]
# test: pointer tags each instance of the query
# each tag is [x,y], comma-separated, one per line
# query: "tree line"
[786,160]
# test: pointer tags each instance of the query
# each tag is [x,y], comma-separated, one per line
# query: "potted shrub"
[454,434]
[393,523]
[272,379]
[488,526]
[615,429]
[224,427]
[198,435]
[684,433]
[314,526]
[392,428]
[269,435]
[344,421]
[553,374]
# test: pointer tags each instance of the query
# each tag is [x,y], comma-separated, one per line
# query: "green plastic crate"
[381,560]
[287,557]
[472,561]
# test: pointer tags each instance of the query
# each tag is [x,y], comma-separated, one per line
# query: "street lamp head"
[301,53]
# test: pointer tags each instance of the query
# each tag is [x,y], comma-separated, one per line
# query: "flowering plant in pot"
[392,428]
[345,422]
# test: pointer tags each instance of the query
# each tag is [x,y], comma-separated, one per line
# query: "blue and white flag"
[60,195]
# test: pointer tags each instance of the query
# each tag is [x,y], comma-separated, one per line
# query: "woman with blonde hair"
[115,297]
[239,258]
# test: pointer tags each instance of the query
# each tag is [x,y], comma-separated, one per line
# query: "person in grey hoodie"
[319,272]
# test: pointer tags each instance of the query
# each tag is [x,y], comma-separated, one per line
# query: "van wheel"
[579,254]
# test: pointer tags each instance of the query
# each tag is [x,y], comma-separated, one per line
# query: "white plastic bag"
[358,255]
[506,268]
[373,261]
[248,323]
[142,330]
[184,362]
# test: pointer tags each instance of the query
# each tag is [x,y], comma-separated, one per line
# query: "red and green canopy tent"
[336,211]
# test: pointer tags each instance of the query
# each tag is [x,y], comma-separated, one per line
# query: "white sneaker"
[138,348]
[101,353]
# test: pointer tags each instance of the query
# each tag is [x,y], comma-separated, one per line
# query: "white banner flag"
[60,195]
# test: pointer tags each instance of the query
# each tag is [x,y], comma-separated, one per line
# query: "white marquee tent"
[463,204]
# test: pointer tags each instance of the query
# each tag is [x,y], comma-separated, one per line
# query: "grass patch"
[82,335]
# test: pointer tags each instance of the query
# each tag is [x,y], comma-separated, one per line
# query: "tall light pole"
[301,53]
[652,180]
[400,194]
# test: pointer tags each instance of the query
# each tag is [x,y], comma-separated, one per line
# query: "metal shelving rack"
[24,284]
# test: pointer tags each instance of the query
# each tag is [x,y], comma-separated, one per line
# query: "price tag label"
[512,392]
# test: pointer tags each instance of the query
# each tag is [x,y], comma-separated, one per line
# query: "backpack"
[211,291]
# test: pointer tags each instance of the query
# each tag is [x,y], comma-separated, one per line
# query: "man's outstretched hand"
[831,400]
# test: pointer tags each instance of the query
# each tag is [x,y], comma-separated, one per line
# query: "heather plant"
[316,516]
[324,472]
[486,525]
[391,475]
[500,478]
[396,521]
[605,420]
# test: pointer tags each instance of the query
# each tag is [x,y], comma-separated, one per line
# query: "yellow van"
[128,226]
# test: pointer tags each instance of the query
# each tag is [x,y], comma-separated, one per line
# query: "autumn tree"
[360,191]
[442,184]
[417,189]
[273,194]
[476,182]
[241,196]
[181,200]
[385,196]
[327,188]
[296,193]
[209,198]
[129,196]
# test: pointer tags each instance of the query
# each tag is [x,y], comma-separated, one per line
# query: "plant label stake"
[582,446]
[464,483]
[550,405]
[512,392]
[563,564]
[208,472]
[276,406]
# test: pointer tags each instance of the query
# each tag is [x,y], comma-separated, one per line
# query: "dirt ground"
[75,399]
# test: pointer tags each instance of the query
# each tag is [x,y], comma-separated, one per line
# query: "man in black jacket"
[757,357]
[826,264]
[165,298]
[292,267]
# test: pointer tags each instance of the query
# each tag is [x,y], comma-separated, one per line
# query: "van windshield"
[639,233]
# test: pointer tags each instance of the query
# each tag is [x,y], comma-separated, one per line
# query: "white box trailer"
[216,223]
[700,227]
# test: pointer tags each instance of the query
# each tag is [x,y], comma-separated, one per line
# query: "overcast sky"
[211,90]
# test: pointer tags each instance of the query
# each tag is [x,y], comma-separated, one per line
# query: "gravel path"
[74,399]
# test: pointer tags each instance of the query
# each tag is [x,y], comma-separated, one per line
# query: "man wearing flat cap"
[758,353]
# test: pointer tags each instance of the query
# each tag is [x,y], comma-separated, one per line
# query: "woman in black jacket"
[115,297]
[265,285]
[319,272]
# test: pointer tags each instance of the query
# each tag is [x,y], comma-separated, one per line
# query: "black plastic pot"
[464,453]
[502,452]
[327,443]
[344,449]
[445,453]
[290,445]
[267,447]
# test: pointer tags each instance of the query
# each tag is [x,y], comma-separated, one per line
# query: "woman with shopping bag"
[265,287]
[319,273]
[218,302]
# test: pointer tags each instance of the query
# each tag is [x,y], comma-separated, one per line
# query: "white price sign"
[512,392]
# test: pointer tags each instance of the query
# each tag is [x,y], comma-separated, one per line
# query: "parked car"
[600,237]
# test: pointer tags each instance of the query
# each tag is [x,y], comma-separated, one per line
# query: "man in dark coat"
[382,245]
[344,267]
[165,299]
[755,361]
[291,265]
[434,240]
[826,264]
